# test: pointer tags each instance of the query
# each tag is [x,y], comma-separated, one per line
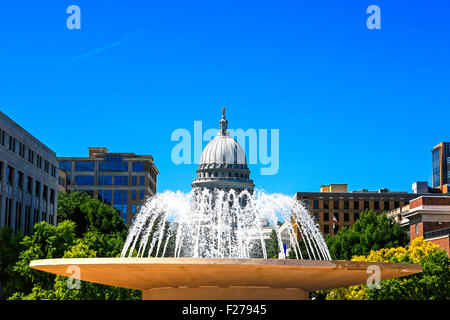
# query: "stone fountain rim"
[222,279]
[355,265]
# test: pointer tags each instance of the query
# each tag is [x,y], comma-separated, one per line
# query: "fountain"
[210,243]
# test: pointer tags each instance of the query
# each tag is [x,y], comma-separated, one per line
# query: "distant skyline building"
[441,166]
[123,180]
[28,179]
[334,208]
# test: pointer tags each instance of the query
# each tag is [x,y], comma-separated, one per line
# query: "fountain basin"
[222,279]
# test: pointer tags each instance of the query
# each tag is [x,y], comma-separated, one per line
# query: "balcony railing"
[436,233]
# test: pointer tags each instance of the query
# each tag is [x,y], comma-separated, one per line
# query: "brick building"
[426,216]
[334,208]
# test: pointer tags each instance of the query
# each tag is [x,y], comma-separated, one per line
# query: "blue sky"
[353,105]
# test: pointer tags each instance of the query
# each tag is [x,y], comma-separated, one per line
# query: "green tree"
[272,247]
[9,254]
[96,231]
[433,283]
[89,213]
[46,242]
[371,232]
[88,290]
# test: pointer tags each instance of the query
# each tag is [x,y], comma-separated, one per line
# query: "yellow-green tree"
[433,283]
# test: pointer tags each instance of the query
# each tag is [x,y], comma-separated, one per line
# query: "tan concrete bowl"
[222,279]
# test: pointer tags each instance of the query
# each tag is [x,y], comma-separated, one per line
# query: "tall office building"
[441,166]
[28,178]
[123,180]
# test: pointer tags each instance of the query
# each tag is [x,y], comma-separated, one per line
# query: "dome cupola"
[223,163]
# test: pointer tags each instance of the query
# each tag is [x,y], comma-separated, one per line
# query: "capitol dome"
[223,149]
[223,163]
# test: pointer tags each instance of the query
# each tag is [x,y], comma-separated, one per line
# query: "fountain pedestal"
[225,293]
[222,279]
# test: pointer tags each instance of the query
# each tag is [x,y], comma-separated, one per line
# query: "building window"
[355,216]
[65,165]
[113,163]
[366,205]
[21,150]
[105,180]
[30,157]
[85,166]
[141,195]
[118,181]
[316,204]
[396,204]
[134,180]
[2,137]
[325,204]
[105,196]
[142,180]
[29,185]
[84,180]
[336,204]
[326,216]
[52,196]
[417,228]
[138,166]
[45,193]
[38,190]
[10,174]
[39,161]
[346,204]
[326,229]
[356,204]
[20,180]
[346,217]
[133,195]
[12,144]
[133,209]
[376,205]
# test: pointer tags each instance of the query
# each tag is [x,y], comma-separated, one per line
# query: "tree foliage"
[89,213]
[86,228]
[371,232]
[433,283]
[9,254]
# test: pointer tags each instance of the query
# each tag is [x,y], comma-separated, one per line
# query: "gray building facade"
[28,179]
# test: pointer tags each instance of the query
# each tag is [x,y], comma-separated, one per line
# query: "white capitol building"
[223,164]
